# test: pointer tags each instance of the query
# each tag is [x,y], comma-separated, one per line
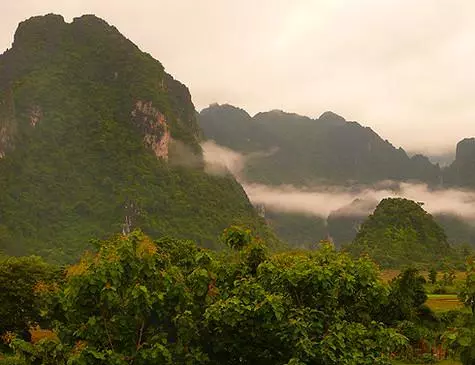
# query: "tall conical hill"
[95,137]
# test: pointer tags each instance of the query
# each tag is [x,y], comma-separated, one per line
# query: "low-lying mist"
[322,200]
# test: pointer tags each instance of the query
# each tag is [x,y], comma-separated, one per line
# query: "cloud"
[221,160]
[320,201]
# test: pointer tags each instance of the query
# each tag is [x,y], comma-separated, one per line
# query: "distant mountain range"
[307,151]
[331,151]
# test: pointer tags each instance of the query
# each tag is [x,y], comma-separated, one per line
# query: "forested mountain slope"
[96,137]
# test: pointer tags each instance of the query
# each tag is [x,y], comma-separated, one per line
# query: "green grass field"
[443,302]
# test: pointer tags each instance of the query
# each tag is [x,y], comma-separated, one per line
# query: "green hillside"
[399,232]
[96,137]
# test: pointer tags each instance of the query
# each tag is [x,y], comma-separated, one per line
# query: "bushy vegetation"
[143,301]
[21,282]
[167,301]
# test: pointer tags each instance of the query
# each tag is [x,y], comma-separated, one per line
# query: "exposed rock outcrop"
[153,126]
[35,115]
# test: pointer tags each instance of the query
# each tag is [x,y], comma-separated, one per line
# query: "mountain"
[302,151]
[398,232]
[95,138]
[461,172]
[345,222]
[298,230]
[305,151]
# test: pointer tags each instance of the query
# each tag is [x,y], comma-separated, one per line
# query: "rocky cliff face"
[88,125]
[153,127]
[462,171]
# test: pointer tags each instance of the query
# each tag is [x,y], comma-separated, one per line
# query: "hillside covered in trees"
[399,232]
[95,137]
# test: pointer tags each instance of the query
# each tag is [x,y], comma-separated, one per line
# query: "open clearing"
[443,302]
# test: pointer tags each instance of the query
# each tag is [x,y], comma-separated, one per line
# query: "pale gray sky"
[406,68]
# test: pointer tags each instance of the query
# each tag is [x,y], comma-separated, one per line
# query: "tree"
[236,237]
[407,295]
[141,301]
[467,294]
[22,280]
[448,277]
[135,301]
[433,275]
[301,309]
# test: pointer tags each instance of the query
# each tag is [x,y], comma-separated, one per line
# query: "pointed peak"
[331,117]
[91,20]
[225,108]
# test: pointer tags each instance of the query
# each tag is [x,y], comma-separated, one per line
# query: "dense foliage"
[169,302]
[400,231]
[21,282]
[76,163]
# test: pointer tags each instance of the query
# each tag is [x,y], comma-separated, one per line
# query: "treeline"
[140,301]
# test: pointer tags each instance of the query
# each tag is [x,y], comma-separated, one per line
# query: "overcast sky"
[406,68]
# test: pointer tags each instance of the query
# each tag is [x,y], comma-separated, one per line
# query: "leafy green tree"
[139,301]
[22,281]
[433,275]
[135,301]
[461,337]
[301,309]
[407,296]
[467,294]
[448,277]
[236,237]
[462,340]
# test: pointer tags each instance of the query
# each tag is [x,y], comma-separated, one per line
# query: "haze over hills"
[319,168]
[95,138]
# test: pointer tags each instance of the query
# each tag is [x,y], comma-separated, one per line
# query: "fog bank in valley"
[320,200]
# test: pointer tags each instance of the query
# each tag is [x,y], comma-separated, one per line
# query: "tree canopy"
[167,301]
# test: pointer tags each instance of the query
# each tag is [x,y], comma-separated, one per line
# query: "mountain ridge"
[340,159]
[328,143]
